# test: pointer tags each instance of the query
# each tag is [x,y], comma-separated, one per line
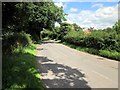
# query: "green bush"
[20,70]
[10,42]
[110,54]
[96,39]
[96,42]
[75,37]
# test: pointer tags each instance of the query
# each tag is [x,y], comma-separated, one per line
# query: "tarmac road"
[63,67]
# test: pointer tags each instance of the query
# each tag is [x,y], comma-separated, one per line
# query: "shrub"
[20,70]
[96,39]
[75,37]
[110,54]
[92,51]
[10,42]
[97,42]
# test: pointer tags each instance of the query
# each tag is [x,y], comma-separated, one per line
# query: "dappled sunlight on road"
[56,75]
[63,67]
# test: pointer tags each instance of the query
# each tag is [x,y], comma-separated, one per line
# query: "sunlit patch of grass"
[31,49]
[20,70]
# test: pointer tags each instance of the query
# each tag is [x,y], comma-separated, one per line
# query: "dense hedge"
[10,42]
[99,40]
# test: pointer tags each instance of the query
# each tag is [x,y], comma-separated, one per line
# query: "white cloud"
[73,10]
[97,5]
[85,0]
[60,4]
[103,17]
[62,0]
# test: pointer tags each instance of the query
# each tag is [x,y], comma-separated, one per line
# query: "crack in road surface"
[64,67]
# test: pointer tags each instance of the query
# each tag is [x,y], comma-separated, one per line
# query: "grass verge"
[20,70]
[105,53]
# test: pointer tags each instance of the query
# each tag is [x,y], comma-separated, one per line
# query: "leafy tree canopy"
[31,17]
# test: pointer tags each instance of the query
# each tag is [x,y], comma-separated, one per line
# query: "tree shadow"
[48,42]
[60,76]
[40,49]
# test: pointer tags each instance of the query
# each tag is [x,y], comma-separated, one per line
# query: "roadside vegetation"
[100,42]
[25,24]
[20,70]
[19,62]
[103,42]
[22,25]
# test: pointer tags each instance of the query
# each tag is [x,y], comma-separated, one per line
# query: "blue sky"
[86,5]
[91,14]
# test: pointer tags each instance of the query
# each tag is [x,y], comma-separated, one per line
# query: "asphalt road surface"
[63,67]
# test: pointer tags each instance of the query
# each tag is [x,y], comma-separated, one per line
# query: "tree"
[76,27]
[8,14]
[116,27]
[63,29]
[108,29]
[31,17]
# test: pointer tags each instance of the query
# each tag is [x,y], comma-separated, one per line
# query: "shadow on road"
[59,75]
[49,41]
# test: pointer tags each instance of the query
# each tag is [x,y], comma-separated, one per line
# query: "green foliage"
[76,27]
[57,32]
[75,37]
[20,70]
[97,41]
[64,29]
[47,34]
[105,53]
[31,17]
[10,42]
[116,27]
[110,54]
[8,14]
